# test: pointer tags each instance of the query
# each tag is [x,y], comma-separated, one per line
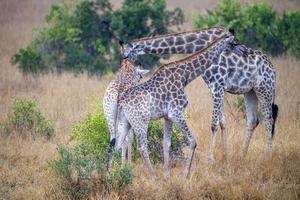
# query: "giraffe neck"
[126,75]
[182,72]
[182,43]
[198,65]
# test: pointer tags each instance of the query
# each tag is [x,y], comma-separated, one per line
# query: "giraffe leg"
[140,127]
[252,120]
[218,98]
[122,132]
[166,146]
[223,130]
[143,149]
[265,98]
[179,120]
[129,146]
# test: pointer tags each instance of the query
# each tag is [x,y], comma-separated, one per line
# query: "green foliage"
[155,138]
[30,59]
[257,25]
[27,117]
[79,35]
[85,170]
[93,130]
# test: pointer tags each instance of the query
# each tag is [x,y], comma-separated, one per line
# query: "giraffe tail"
[274,116]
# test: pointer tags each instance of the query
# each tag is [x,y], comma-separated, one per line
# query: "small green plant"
[155,138]
[85,171]
[26,117]
[93,130]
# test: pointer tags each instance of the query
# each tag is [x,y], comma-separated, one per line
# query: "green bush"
[155,138]
[27,117]
[30,59]
[257,26]
[93,130]
[79,35]
[85,171]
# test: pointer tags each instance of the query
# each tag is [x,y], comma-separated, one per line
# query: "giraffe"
[128,76]
[162,96]
[242,61]
[241,70]
[178,43]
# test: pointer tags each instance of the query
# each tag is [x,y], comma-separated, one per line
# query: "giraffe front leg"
[166,146]
[217,105]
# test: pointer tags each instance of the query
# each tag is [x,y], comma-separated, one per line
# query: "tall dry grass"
[24,169]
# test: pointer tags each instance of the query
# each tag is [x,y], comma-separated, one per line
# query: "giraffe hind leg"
[180,122]
[269,111]
[140,128]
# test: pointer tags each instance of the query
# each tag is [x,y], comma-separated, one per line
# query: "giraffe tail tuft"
[112,144]
[274,116]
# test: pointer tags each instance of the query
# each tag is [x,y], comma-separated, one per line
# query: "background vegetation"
[82,36]
[257,26]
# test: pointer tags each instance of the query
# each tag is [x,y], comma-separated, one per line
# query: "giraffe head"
[132,72]
[131,51]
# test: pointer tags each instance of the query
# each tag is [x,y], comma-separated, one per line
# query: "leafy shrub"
[27,117]
[257,25]
[79,35]
[93,130]
[30,59]
[156,133]
[85,171]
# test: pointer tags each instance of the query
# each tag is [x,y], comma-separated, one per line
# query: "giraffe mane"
[174,34]
[189,57]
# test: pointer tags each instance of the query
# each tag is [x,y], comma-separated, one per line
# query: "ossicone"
[121,42]
[231,30]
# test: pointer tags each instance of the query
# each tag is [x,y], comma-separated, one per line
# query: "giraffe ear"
[141,71]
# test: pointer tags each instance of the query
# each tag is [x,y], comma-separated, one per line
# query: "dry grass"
[24,171]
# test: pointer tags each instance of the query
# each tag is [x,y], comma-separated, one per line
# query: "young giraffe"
[128,76]
[163,96]
[238,65]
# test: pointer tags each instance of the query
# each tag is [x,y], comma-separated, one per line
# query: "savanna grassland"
[66,98]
